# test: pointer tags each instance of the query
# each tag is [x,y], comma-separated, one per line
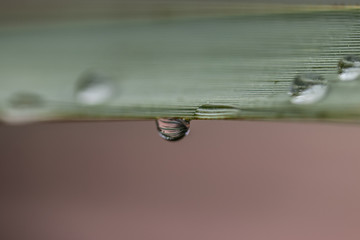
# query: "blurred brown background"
[226,180]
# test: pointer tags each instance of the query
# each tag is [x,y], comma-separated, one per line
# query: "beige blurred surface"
[226,180]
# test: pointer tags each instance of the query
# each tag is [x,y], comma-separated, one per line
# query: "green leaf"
[235,66]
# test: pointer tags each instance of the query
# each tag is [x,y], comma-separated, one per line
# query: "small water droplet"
[349,68]
[209,111]
[93,89]
[25,107]
[26,100]
[308,89]
[172,129]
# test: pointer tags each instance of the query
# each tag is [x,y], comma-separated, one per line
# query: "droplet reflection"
[349,68]
[308,89]
[172,129]
[93,89]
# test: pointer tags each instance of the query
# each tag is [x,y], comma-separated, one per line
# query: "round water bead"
[25,100]
[93,89]
[349,68]
[308,88]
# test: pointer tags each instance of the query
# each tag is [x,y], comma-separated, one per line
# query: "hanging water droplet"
[349,68]
[172,129]
[93,89]
[308,88]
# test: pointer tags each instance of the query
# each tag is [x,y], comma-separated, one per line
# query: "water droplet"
[93,89]
[308,89]
[209,111]
[26,100]
[349,68]
[25,107]
[172,129]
